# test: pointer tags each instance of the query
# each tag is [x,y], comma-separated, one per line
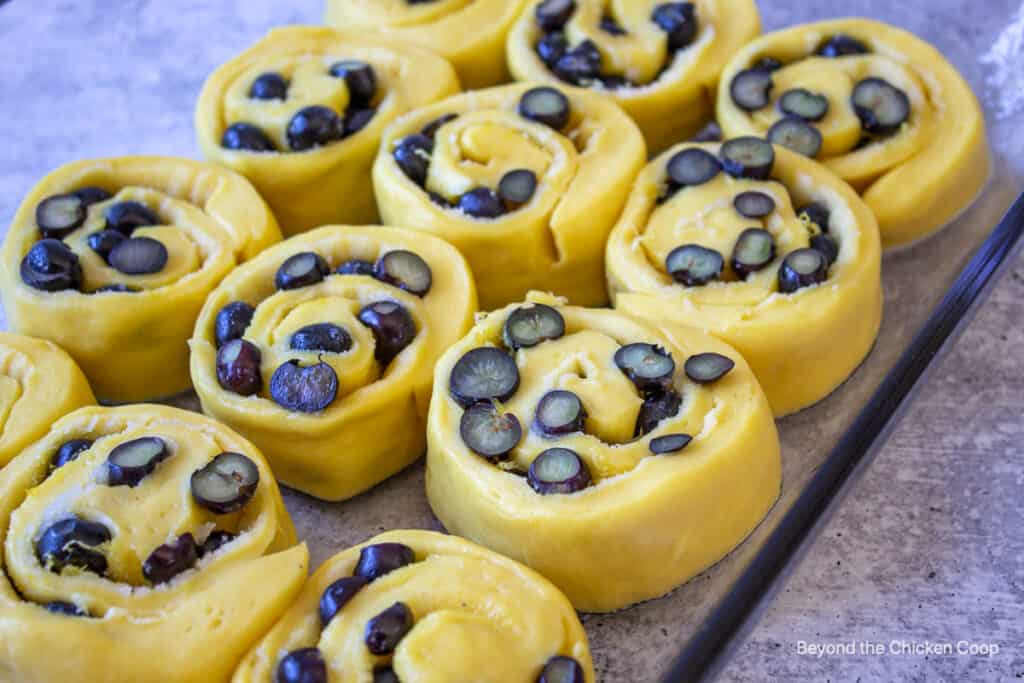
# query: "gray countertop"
[928,547]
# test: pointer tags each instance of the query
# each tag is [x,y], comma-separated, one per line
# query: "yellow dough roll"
[301,114]
[781,260]
[599,432]
[140,543]
[426,607]
[38,384]
[660,61]
[526,181]
[877,105]
[468,33]
[113,258]
[328,373]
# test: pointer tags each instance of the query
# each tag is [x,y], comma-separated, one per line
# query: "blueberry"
[59,215]
[356,267]
[269,86]
[337,596]
[171,559]
[412,154]
[304,389]
[656,407]
[132,461]
[246,137]
[126,216]
[232,321]
[301,270]
[679,22]
[302,666]
[69,452]
[359,77]
[483,374]
[215,541]
[314,126]
[326,337]
[138,256]
[104,241]
[392,326]
[226,484]
[386,630]
[51,266]
[73,542]
[238,367]
[481,202]
[382,558]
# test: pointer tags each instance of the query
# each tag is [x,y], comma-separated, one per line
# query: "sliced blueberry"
[304,389]
[246,137]
[488,432]
[91,195]
[132,461]
[827,245]
[302,666]
[517,187]
[797,135]
[561,669]
[215,541]
[580,65]
[559,412]
[357,119]
[669,443]
[751,89]
[693,265]
[691,167]
[171,559]
[802,268]
[382,558]
[238,367]
[405,270]
[392,326]
[337,596]
[412,154]
[69,452]
[649,367]
[314,126]
[232,322]
[125,217]
[225,484]
[356,267]
[359,77]
[301,270]
[73,542]
[754,250]
[656,407]
[59,215]
[747,157]
[705,368]
[552,47]
[816,213]
[841,45]
[386,630]
[610,26]
[481,202]
[545,105]
[679,22]
[269,86]
[138,256]
[430,130]
[558,470]
[326,337]
[552,15]
[881,107]
[51,266]
[752,204]
[104,241]
[483,374]
[67,609]
[529,325]
[803,104]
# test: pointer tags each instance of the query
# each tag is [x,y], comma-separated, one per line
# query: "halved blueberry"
[215,541]
[656,407]
[797,135]
[802,268]
[59,215]
[91,195]
[430,130]
[841,45]
[581,65]
[51,266]
[269,86]
[138,256]
[517,187]
[171,559]
[679,21]
[382,558]
[488,432]
[754,250]
[326,337]
[483,374]
[304,389]
[386,630]
[816,213]
[68,609]
[752,204]
[552,47]
[881,107]
[246,137]
[561,669]
[306,665]
[314,126]
[69,452]
[481,202]
[529,325]
[552,15]
[803,104]
[412,154]
[558,470]
[232,321]
[693,265]
[751,89]
[545,105]
[560,412]
[705,368]
[747,157]
[359,78]
[649,367]
[238,367]
[392,326]
[104,241]
[404,270]
[132,461]
[669,443]
[827,245]
[225,484]
[301,270]
[126,216]
[356,267]
[337,596]
[692,166]
[73,542]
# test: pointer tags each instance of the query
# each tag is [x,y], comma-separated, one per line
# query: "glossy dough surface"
[673,93]
[478,616]
[38,384]
[132,346]
[555,241]
[916,180]
[376,424]
[329,183]
[194,628]
[667,517]
[468,33]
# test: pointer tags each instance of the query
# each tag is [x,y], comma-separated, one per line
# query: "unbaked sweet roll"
[761,247]
[301,113]
[113,258]
[322,349]
[423,606]
[141,543]
[468,33]
[39,383]
[880,107]
[659,60]
[617,457]
[525,180]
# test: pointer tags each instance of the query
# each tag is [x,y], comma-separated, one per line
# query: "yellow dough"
[800,345]
[194,628]
[647,523]
[132,346]
[555,241]
[38,384]
[477,616]
[329,183]
[376,424]
[916,180]
[468,33]
[674,92]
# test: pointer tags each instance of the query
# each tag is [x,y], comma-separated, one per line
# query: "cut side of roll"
[558,432]
[525,180]
[659,60]
[101,575]
[762,247]
[322,349]
[113,258]
[301,114]
[423,606]
[891,117]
